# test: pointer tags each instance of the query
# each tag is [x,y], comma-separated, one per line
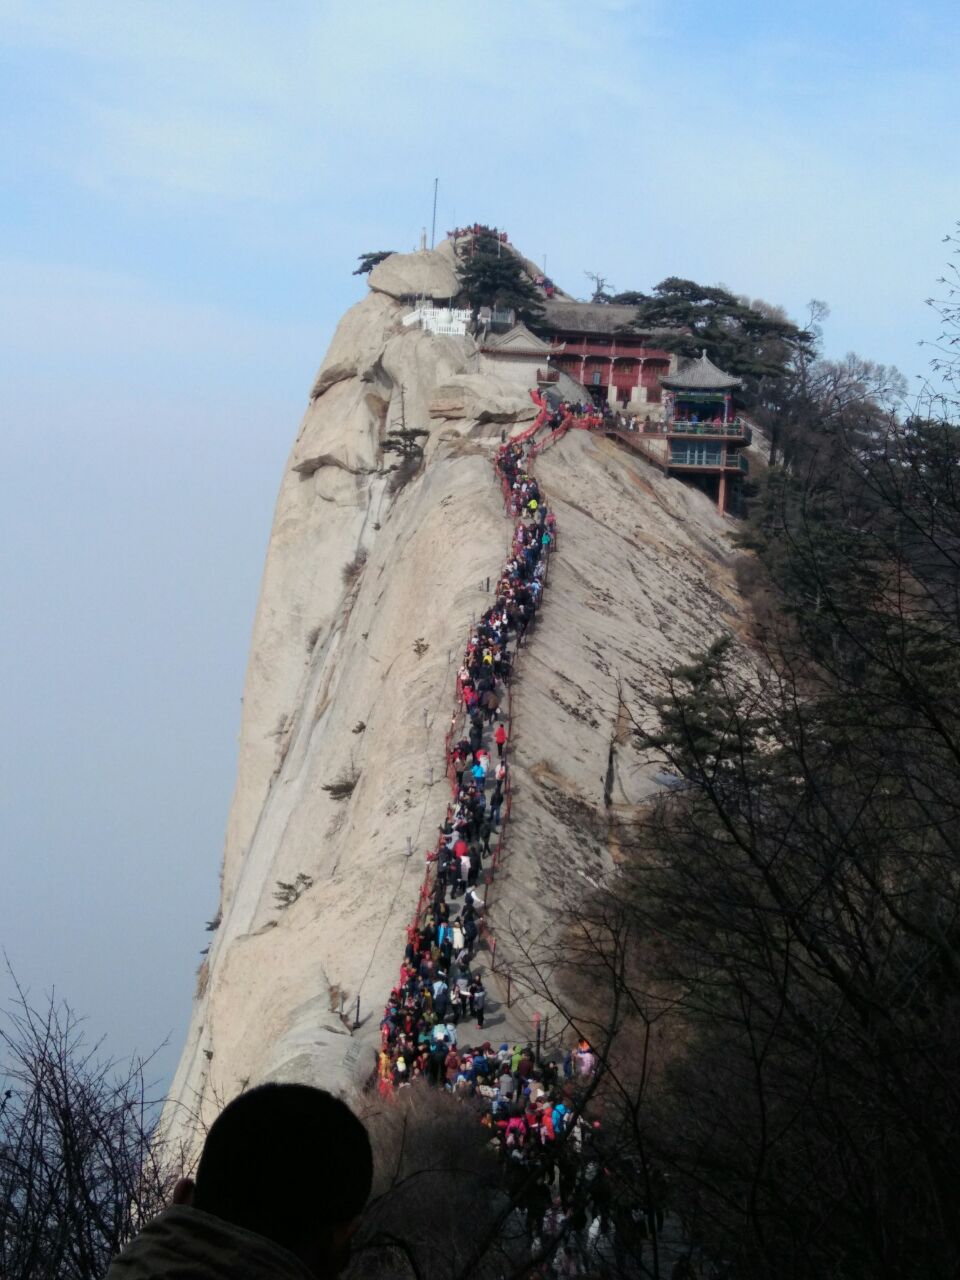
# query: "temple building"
[518,355]
[597,345]
[701,437]
[699,393]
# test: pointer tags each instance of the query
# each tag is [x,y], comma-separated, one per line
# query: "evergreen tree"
[692,718]
[369,260]
[754,342]
[405,441]
[493,277]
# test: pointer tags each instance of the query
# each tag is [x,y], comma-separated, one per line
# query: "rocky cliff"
[366,602]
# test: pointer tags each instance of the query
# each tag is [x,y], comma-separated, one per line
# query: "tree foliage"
[405,441]
[492,276]
[754,341]
[793,914]
[808,890]
[369,260]
[600,291]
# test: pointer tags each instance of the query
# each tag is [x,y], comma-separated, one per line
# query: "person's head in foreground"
[283,1176]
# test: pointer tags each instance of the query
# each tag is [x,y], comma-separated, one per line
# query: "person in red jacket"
[500,738]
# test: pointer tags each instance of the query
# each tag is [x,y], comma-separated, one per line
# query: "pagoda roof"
[700,374]
[517,341]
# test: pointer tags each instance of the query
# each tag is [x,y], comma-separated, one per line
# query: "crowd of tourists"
[433,1026]
[440,989]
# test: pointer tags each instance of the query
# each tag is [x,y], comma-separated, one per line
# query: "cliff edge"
[367,598]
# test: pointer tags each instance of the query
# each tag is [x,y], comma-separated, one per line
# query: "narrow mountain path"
[446,906]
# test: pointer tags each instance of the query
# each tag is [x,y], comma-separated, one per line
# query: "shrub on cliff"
[352,570]
[404,441]
[369,260]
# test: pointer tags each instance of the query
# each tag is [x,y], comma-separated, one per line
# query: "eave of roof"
[517,339]
[700,374]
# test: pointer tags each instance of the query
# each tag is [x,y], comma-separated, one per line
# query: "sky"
[184,189]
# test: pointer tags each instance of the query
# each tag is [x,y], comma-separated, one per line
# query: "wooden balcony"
[712,457]
[657,447]
[736,429]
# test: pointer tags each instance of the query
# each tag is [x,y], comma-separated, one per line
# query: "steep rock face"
[642,576]
[430,273]
[351,681]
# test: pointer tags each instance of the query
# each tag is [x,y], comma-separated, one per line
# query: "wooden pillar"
[722,495]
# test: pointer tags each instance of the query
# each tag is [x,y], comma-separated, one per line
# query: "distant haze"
[185,189]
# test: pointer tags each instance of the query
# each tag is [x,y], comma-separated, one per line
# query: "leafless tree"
[600,291]
[78,1170]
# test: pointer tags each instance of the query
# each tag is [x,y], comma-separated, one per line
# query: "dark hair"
[285,1161]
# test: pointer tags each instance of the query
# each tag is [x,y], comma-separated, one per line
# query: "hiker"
[266,1202]
[496,800]
[500,738]
[476,866]
[586,1060]
[486,831]
[470,934]
[491,705]
[478,1000]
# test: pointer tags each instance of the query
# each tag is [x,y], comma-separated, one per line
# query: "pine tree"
[756,344]
[369,260]
[493,277]
[405,441]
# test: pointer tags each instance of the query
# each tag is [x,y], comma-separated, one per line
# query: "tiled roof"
[584,317]
[700,375]
[518,339]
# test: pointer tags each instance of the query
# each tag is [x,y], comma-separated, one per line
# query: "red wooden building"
[597,345]
[701,437]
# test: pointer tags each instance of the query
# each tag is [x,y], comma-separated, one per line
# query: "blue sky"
[185,188]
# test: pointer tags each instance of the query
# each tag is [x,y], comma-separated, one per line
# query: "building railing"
[735,427]
[713,459]
[657,448]
[449,321]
